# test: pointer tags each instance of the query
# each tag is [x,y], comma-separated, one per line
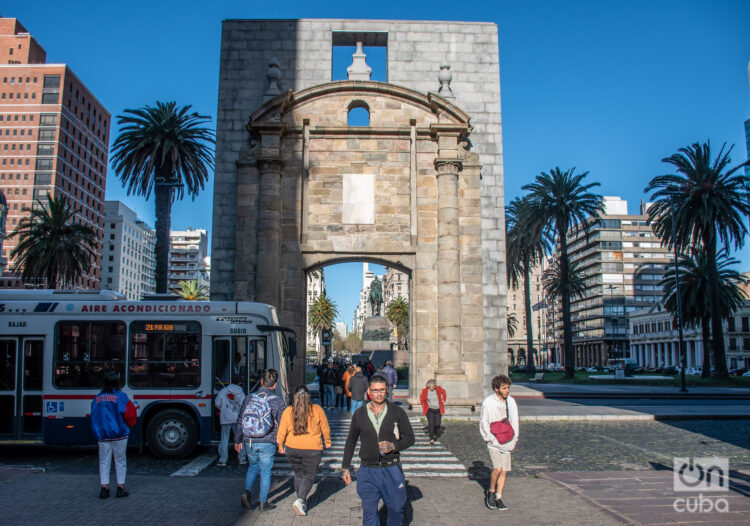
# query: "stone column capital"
[269,164]
[448,166]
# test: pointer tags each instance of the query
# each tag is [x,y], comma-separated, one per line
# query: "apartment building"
[316,287]
[188,255]
[517,344]
[395,284]
[128,260]
[54,140]
[622,261]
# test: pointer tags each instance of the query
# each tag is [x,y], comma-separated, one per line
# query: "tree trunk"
[163,203]
[562,230]
[318,336]
[717,331]
[706,333]
[530,368]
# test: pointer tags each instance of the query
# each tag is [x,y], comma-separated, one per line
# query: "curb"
[603,418]
[626,396]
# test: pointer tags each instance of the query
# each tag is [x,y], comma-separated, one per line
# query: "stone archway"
[404,190]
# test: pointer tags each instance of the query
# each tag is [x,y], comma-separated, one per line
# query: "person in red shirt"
[433,407]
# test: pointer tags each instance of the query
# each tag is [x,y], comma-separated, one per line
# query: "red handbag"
[502,429]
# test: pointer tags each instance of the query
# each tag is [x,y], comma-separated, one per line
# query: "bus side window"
[85,351]
[165,354]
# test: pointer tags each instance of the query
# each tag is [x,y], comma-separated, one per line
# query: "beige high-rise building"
[54,140]
[395,284]
[316,286]
[622,261]
[187,257]
[517,344]
[128,260]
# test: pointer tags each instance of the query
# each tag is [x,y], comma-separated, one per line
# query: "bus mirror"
[292,351]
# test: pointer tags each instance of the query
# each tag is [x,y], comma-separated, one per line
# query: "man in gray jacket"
[358,388]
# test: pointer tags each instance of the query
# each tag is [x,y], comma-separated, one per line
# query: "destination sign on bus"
[159,327]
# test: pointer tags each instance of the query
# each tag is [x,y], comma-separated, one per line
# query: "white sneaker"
[299,507]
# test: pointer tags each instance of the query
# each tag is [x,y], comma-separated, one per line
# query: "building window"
[48,119]
[732,344]
[50,98]
[745,325]
[730,324]
[51,81]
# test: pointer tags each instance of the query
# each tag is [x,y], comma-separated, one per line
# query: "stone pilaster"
[450,369]
[268,277]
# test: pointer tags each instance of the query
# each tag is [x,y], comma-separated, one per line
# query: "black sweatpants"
[305,464]
[433,422]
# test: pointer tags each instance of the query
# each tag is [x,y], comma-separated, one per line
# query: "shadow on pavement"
[480,473]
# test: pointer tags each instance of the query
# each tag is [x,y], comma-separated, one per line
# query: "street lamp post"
[683,389]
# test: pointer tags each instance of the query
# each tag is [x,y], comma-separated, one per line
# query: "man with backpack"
[256,426]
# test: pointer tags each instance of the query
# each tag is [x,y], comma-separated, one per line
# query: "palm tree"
[52,245]
[553,282]
[694,286]
[526,242]
[397,313]
[192,290]
[565,203]
[711,204]
[512,324]
[167,150]
[320,316]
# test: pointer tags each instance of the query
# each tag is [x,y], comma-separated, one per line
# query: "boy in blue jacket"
[112,416]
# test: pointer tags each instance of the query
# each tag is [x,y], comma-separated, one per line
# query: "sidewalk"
[436,502]
[43,499]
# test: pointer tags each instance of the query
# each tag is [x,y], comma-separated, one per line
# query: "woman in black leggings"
[433,407]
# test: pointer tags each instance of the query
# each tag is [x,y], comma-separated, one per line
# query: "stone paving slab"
[436,502]
[648,497]
[161,500]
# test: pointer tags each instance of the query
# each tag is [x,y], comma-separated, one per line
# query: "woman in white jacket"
[229,401]
[496,407]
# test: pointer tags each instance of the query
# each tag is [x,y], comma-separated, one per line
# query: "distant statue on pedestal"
[376,296]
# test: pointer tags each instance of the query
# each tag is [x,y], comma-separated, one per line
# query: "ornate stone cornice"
[285,101]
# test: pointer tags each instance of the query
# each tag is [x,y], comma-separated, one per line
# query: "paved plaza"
[567,473]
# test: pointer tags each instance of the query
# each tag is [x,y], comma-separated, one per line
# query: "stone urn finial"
[445,77]
[359,70]
[274,76]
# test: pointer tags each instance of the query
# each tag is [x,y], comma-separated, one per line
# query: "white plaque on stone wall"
[359,199]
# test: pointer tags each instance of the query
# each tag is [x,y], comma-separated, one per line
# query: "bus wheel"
[172,434]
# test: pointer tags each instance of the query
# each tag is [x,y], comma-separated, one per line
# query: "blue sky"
[610,88]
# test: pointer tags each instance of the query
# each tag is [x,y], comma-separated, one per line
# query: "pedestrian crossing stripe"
[420,460]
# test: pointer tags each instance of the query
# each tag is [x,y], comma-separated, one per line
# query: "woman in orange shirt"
[303,431]
[345,379]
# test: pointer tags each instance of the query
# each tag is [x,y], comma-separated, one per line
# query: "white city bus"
[173,357]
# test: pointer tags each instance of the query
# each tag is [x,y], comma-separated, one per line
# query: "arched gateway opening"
[404,191]
[373,321]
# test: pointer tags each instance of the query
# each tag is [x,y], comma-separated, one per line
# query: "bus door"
[242,355]
[21,366]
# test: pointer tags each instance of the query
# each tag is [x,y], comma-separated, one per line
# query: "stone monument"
[420,188]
